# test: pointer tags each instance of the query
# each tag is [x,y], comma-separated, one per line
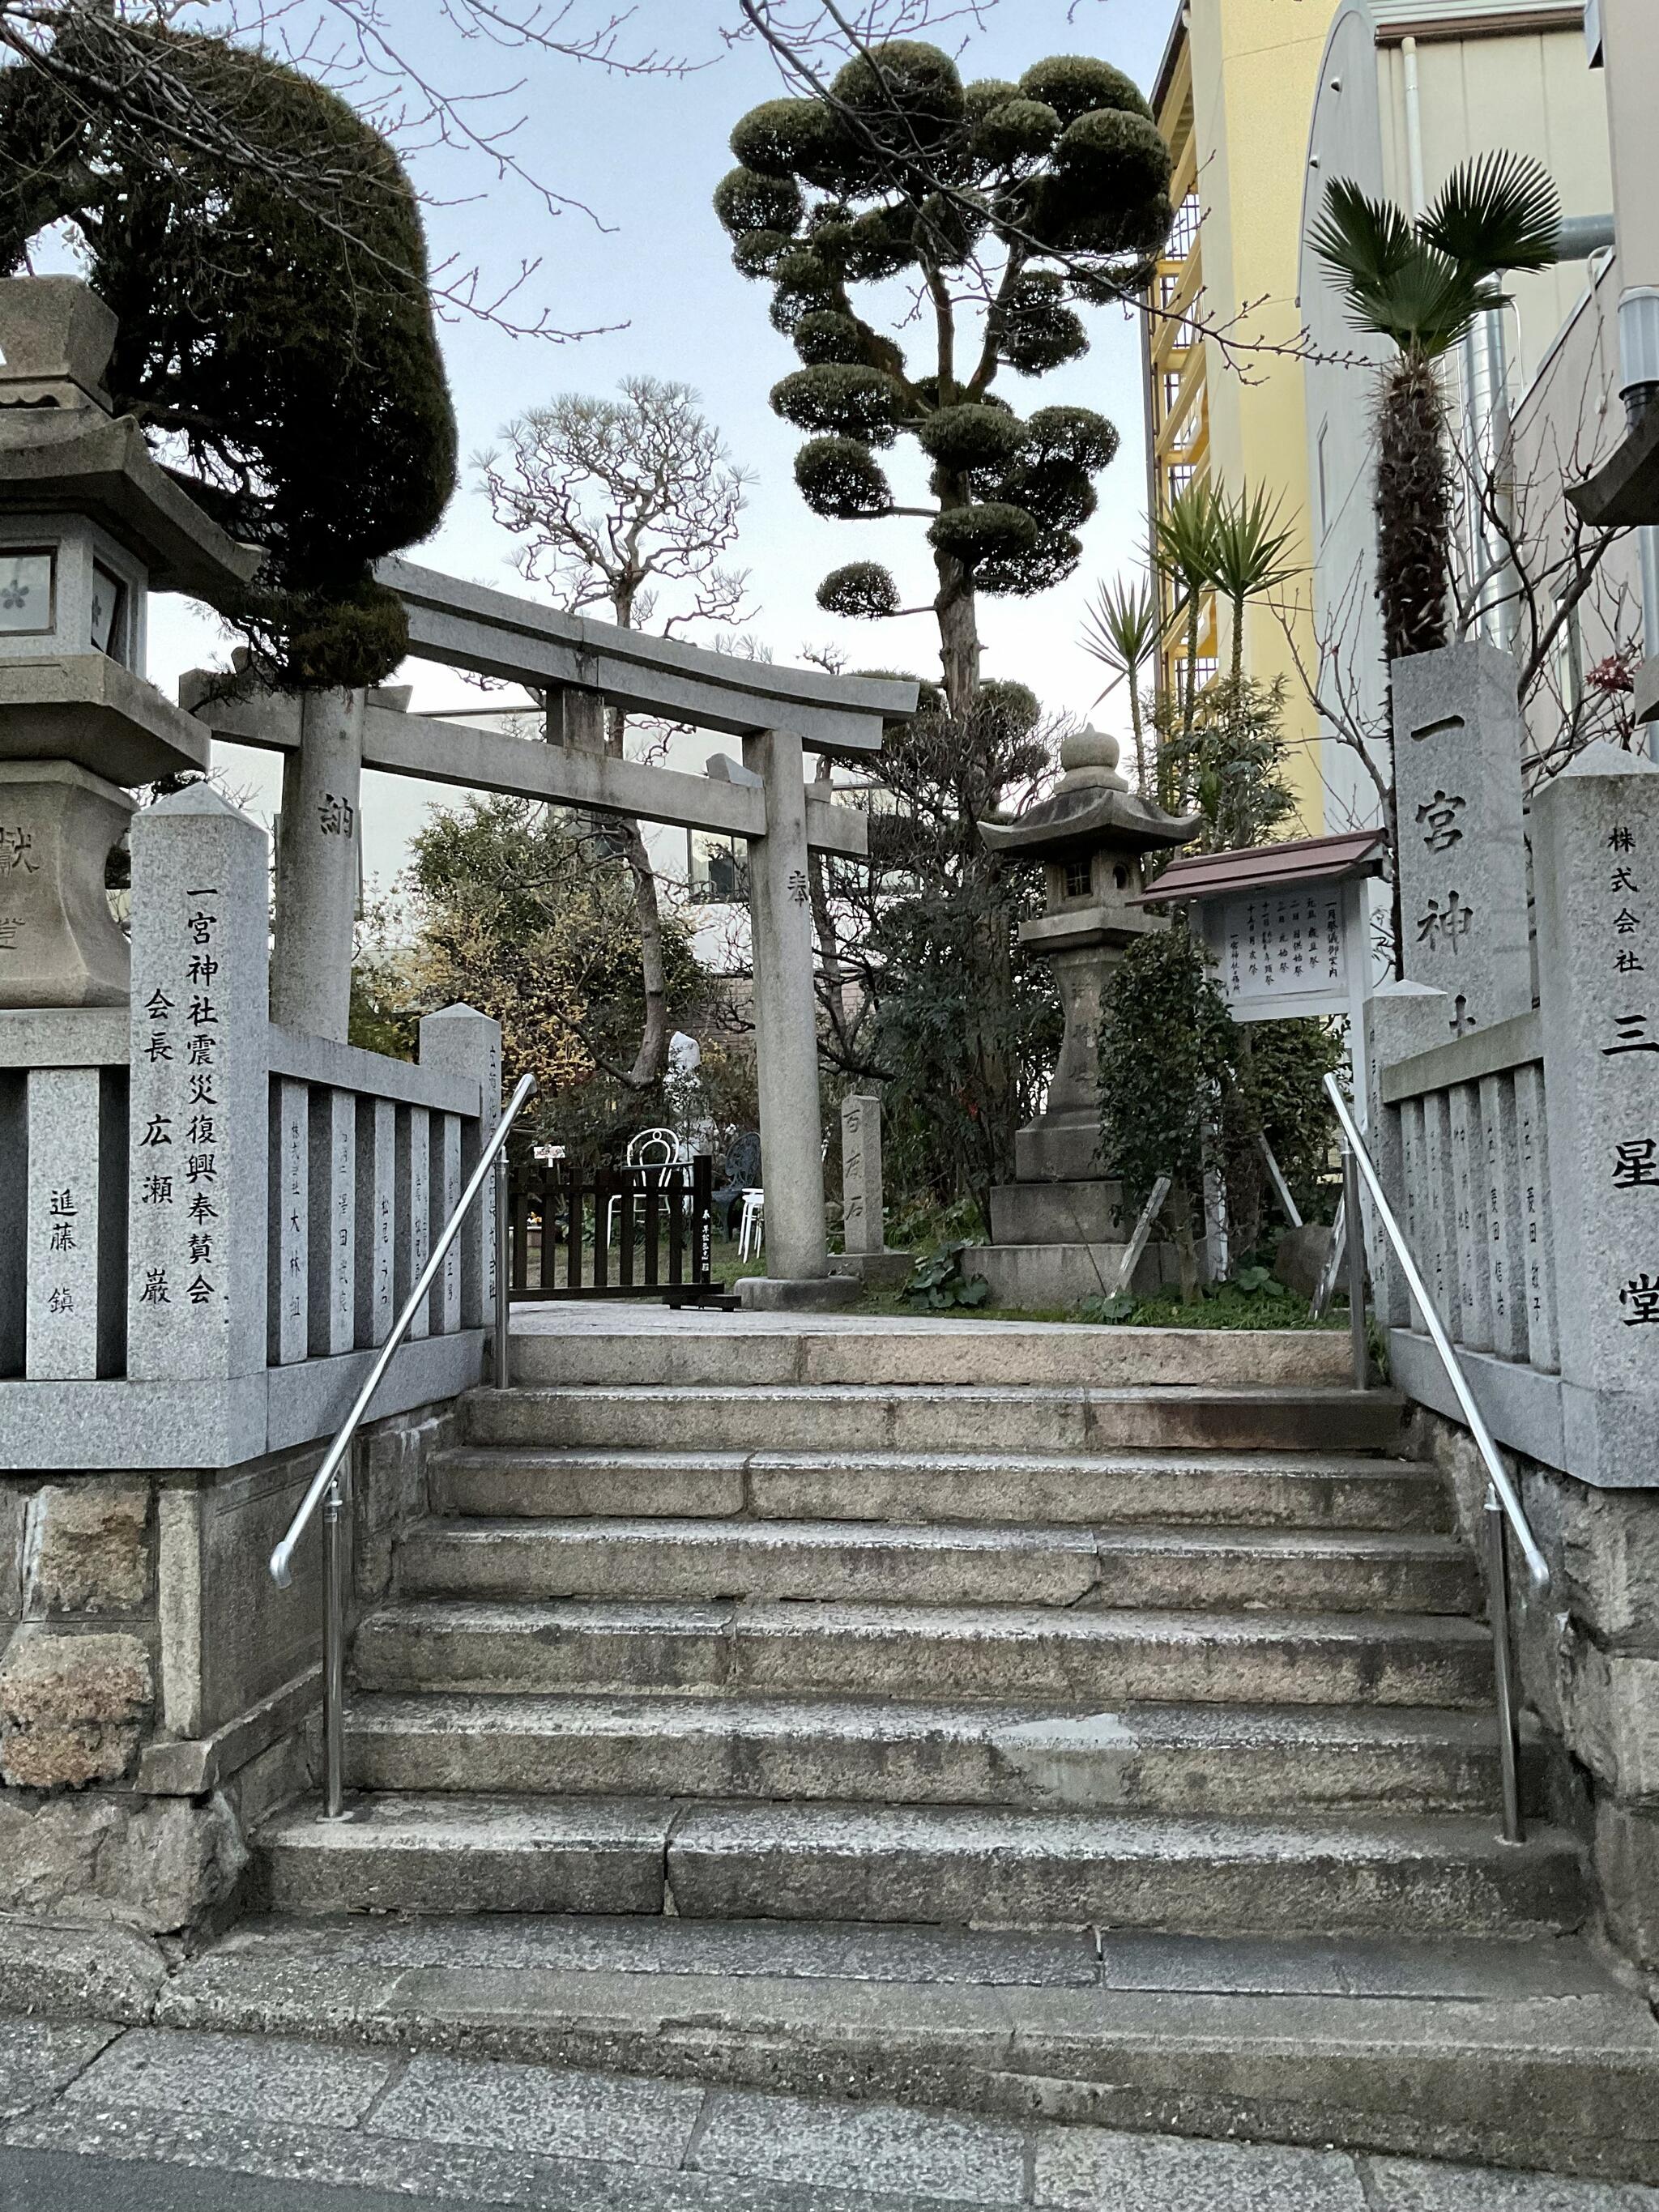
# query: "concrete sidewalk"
[99,2118]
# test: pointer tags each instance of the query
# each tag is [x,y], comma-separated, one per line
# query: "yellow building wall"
[1255,69]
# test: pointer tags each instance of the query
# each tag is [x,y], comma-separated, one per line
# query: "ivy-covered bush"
[290,360]
[1056,189]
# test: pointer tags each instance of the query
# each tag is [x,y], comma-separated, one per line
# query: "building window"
[1181,477]
[1171,391]
[717,869]
[1184,229]
[1570,665]
[1078,880]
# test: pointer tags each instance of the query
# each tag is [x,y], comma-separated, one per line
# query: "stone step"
[1214,1759]
[1336,1875]
[1520,2054]
[992,1653]
[1284,1490]
[879,1417]
[924,1351]
[1227,1569]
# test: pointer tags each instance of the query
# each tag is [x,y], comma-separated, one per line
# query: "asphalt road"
[64,2181]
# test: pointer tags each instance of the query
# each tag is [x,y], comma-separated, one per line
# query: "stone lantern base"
[59,943]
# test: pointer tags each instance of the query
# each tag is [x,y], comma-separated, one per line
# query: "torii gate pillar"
[786,1039]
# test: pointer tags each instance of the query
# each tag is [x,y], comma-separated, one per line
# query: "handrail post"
[1356,1243]
[334,1635]
[503,1316]
[1497,1602]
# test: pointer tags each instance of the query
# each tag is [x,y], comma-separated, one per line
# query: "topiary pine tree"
[1055,192]
[292,357]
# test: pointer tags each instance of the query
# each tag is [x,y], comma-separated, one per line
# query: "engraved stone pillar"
[863,1212]
[66,1223]
[1462,850]
[377,1153]
[199,1190]
[860,1173]
[333,1177]
[413,1207]
[463,1042]
[1596,858]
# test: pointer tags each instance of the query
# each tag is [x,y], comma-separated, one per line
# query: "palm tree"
[1120,631]
[1248,552]
[1421,285]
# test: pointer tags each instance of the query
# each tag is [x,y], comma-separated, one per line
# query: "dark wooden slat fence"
[564,1219]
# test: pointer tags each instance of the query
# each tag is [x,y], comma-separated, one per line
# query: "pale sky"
[646,153]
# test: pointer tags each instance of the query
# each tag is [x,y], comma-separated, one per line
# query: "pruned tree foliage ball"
[863,589]
[971,436]
[990,530]
[824,336]
[1055,189]
[838,397]
[746,202]
[840,477]
[295,366]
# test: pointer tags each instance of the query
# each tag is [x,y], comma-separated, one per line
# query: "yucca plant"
[1250,550]
[1120,630]
[1184,550]
[1421,285]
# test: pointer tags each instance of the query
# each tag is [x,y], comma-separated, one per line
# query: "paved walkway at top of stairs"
[623,1341]
[433,2132]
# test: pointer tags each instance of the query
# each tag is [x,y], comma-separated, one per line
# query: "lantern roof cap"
[1087,814]
[62,451]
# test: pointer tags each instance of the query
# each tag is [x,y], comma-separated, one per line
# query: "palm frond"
[1500,210]
[1120,628]
[1361,240]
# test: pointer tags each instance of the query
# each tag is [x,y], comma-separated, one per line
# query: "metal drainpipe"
[1413,128]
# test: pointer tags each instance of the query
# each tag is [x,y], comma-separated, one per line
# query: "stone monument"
[864,1231]
[89,523]
[1057,1234]
[1457,746]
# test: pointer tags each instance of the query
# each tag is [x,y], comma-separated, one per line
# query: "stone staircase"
[1089,1723]
[1030,1651]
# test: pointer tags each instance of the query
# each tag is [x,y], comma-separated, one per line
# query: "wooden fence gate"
[613,1232]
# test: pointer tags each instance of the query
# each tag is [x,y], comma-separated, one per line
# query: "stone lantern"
[89,524]
[1055,1231]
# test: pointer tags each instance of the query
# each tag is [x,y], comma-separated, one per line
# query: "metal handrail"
[1502,1503]
[326,1482]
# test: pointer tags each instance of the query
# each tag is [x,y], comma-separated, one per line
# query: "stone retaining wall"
[1589,1656]
[157,1691]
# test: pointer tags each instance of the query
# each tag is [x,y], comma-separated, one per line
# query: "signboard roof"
[1269,868]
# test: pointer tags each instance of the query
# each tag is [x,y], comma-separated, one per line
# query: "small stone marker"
[1596,860]
[863,1214]
[199,1190]
[1462,850]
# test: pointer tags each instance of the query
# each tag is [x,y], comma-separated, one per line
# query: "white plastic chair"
[751,1224]
[648,1148]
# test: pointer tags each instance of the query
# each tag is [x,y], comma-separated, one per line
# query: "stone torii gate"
[779,714]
